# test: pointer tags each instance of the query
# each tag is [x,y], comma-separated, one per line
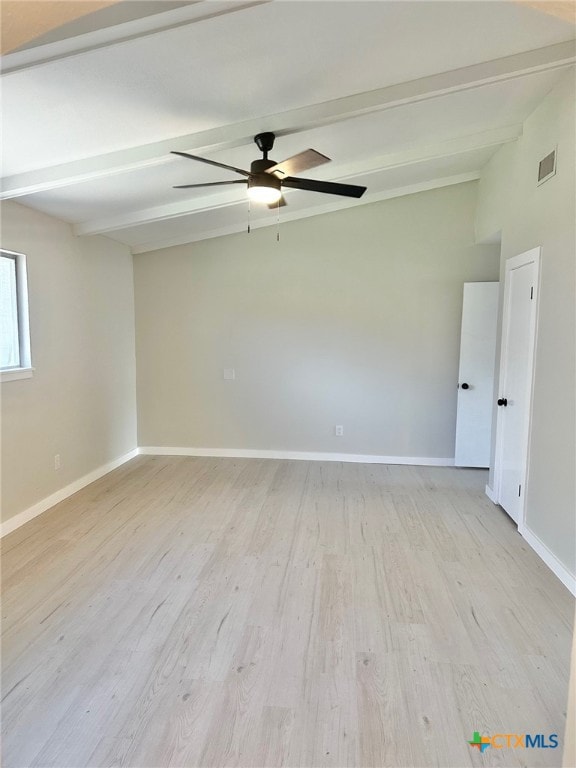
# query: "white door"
[476,374]
[515,386]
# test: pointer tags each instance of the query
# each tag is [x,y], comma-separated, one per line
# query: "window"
[14,333]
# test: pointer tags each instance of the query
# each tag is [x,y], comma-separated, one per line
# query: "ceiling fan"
[267,178]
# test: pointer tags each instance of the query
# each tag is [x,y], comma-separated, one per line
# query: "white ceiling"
[402,96]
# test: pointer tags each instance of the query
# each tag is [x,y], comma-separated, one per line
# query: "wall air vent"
[547,167]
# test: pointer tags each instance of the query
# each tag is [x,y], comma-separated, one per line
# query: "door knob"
[503,401]
[464,386]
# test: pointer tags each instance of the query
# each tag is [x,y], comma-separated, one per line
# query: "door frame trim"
[532,256]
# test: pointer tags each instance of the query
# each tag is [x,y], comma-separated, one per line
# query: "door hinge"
[532,292]
[519,490]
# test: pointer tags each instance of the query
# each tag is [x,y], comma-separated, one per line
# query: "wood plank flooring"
[228,612]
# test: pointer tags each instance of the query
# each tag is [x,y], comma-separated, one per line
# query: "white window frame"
[25,370]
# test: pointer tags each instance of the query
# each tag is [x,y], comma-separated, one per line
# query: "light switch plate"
[229,374]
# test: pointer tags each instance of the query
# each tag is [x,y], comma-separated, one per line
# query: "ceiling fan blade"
[329,187]
[210,184]
[280,204]
[298,163]
[211,162]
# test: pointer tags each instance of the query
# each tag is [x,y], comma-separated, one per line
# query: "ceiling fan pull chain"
[248,215]
[278,221]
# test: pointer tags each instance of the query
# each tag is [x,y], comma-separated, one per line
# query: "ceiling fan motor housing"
[261,179]
[261,166]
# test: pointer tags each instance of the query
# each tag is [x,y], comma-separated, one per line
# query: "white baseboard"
[249,453]
[567,578]
[491,494]
[41,506]
[233,453]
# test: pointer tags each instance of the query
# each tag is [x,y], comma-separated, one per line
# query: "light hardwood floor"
[227,612]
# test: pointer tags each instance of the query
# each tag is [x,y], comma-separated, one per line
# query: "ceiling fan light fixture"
[264,188]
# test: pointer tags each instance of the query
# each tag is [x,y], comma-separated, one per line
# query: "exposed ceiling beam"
[562,10]
[406,157]
[292,121]
[25,20]
[196,11]
[317,210]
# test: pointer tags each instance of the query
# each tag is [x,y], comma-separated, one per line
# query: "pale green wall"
[528,216]
[353,319]
[81,401]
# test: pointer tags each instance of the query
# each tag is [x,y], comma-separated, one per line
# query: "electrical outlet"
[338,430]
[57,463]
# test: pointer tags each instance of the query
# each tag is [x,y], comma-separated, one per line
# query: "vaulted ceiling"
[403,96]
